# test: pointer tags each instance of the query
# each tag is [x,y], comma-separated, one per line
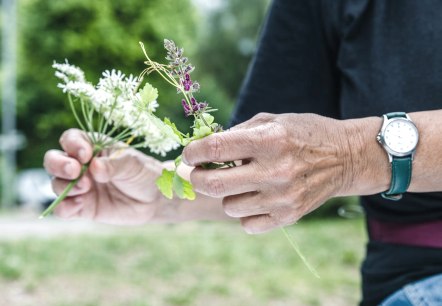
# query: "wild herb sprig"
[177,72]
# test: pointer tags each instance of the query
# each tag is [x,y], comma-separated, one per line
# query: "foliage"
[170,182]
[97,35]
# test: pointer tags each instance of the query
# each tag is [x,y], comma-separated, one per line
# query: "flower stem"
[65,192]
[298,251]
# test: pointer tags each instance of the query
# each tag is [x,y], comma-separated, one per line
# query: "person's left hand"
[291,164]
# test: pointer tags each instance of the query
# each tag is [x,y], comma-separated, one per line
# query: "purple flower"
[189,69]
[187,110]
[187,82]
[195,105]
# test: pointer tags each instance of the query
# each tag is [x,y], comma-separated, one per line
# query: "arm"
[293,163]
[427,164]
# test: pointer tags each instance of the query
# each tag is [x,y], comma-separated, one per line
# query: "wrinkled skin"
[291,164]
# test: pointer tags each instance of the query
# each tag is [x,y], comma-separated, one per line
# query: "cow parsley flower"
[68,73]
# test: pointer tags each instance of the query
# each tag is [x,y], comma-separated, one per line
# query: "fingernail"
[68,169]
[82,155]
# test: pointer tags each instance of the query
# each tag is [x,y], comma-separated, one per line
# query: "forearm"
[177,210]
[371,172]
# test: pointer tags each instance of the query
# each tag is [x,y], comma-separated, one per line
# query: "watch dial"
[401,136]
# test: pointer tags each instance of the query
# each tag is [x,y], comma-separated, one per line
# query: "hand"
[119,187]
[291,164]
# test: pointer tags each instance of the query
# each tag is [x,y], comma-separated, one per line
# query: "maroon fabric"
[425,234]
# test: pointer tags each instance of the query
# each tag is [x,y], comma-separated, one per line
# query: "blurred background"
[51,262]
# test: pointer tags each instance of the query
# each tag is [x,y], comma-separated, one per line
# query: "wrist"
[368,171]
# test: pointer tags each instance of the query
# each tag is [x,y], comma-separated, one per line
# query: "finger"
[82,186]
[221,147]
[244,205]
[277,217]
[224,182]
[256,120]
[258,224]
[69,208]
[76,144]
[58,164]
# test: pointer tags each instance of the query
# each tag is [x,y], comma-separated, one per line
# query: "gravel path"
[23,224]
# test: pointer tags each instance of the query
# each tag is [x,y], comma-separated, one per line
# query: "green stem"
[103,126]
[71,103]
[298,251]
[85,112]
[65,192]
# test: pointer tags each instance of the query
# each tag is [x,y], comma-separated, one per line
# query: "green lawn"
[188,264]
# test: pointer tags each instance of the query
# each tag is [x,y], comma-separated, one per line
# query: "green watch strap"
[400,178]
[396,115]
[400,170]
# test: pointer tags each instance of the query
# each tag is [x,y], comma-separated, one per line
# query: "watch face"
[401,136]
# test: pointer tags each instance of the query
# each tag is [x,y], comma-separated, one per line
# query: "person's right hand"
[118,188]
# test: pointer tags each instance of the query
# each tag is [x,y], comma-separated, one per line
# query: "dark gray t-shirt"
[351,59]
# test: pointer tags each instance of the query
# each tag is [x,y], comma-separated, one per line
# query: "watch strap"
[396,115]
[400,178]
[400,170]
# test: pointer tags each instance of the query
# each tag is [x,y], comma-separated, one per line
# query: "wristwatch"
[399,137]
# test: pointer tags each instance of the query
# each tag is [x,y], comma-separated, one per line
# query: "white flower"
[68,73]
[117,83]
[78,89]
[152,107]
[157,135]
[116,99]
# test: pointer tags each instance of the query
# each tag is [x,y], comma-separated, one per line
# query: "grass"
[189,264]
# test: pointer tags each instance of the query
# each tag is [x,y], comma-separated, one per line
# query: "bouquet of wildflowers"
[120,111]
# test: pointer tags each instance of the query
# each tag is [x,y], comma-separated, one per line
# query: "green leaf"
[175,130]
[165,183]
[148,94]
[165,128]
[201,132]
[208,118]
[203,120]
[183,188]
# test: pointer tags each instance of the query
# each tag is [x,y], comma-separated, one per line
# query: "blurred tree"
[99,35]
[95,35]
[228,41]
